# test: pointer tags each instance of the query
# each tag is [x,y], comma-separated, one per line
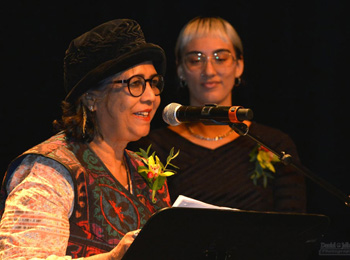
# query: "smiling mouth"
[142,114]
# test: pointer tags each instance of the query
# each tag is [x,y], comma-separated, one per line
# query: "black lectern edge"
[312,228]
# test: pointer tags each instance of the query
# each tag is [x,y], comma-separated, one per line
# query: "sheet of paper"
[186,202]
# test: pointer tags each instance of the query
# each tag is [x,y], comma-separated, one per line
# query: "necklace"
[128,176]
[216,138]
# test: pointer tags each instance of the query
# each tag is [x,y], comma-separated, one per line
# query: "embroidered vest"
[103,210]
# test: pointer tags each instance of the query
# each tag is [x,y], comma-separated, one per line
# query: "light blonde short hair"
[204,26]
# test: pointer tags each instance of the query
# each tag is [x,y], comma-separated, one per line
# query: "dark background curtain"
[296,73]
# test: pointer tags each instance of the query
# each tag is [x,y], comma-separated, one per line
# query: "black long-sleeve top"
[222,176]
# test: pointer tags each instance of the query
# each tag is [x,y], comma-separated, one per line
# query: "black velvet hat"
[106,50]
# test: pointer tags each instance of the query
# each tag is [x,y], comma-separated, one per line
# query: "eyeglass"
[137,84]
[197,60]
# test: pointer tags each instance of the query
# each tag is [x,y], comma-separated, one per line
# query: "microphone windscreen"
[245,114]
[169,114]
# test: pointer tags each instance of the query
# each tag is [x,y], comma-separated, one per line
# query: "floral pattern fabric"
[103,209]
[38,207]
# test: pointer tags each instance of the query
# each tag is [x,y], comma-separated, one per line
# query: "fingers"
[118,252]
[136,232]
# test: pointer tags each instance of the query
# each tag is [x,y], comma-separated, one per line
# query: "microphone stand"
[243,130]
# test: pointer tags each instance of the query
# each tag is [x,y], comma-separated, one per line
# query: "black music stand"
[196,233]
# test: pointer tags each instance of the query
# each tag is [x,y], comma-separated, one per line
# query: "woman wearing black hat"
[79,193]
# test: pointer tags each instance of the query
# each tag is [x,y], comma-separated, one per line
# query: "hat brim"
[146,52]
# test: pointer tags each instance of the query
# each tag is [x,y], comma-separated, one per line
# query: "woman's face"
[121,116]
[212,82]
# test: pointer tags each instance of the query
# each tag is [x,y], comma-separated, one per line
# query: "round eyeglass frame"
[159,86]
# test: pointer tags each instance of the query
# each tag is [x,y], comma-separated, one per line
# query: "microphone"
[175,114]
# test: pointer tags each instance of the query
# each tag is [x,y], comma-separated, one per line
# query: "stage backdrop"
[296,73]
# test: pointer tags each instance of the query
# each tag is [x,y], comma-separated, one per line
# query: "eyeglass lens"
[197,60]
[137,85]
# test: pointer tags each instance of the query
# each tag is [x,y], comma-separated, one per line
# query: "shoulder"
[44,177]
[255,126]
[38,158]
[274,137]
[56,147]
[57,141]
[268,132]
[44,180]
[50,148]
[48,169]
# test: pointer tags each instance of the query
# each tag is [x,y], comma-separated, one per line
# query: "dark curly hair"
[75,124]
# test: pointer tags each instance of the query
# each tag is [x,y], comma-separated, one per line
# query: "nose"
[208,67]
[149,93]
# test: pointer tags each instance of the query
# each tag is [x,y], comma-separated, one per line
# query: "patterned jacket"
[103,209]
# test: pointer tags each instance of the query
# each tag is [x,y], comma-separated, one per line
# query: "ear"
[180,72]
[89,100]
[239,68]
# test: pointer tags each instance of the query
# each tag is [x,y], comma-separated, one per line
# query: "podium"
[197,233]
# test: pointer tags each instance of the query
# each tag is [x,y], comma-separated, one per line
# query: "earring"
[88,97]
[238,82]
[84,121]
[183,83]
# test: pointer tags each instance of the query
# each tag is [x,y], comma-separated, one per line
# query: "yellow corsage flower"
[154,172]
[263,160]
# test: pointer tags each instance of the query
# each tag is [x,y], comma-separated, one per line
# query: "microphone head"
[245,114]
[169,114]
